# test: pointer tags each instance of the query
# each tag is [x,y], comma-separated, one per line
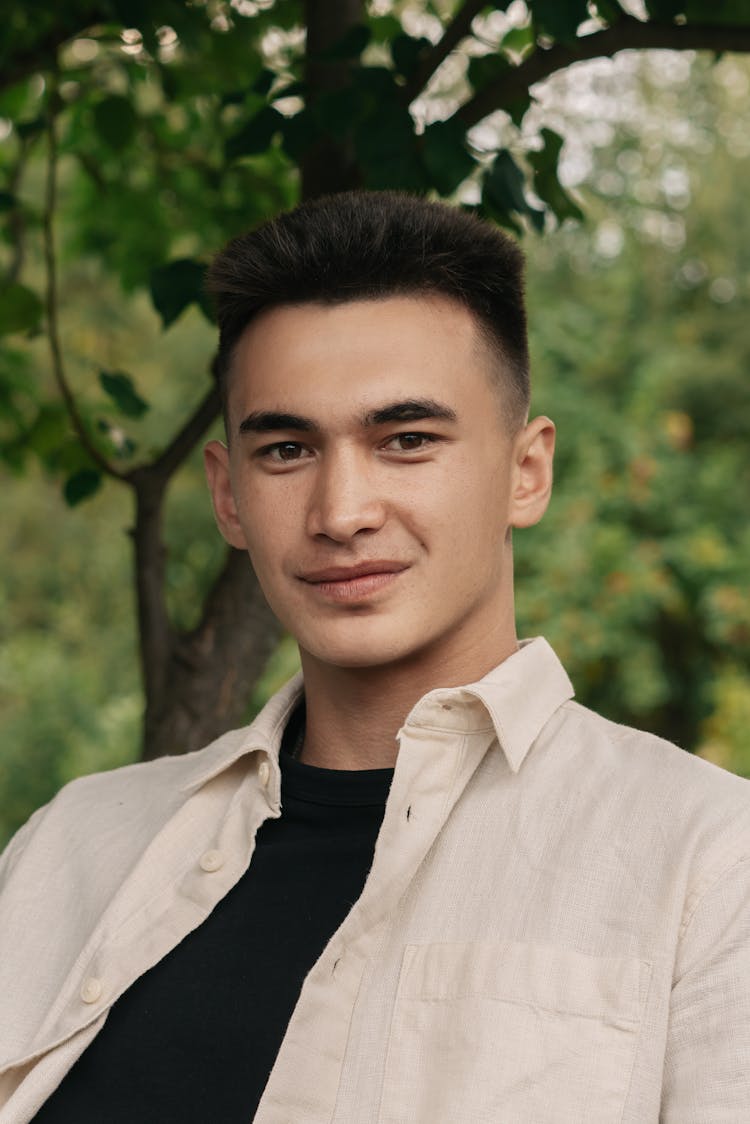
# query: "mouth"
[353,583]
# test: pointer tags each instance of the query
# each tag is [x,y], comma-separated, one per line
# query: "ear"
[534,451]
[216,463]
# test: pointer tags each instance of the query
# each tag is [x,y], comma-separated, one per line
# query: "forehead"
[333,358]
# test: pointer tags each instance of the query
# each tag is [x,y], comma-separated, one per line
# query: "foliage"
[137,138]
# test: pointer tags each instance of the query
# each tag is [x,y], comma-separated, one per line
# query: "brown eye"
[289,451]
[410,441]
[284,451]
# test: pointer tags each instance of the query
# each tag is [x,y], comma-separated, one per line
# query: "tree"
[154,132]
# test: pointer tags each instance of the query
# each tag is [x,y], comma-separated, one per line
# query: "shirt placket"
[432,769]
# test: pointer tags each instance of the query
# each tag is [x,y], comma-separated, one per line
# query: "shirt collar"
[517,698]
[263,734]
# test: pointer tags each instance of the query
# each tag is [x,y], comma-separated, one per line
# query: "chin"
[355,657]
[359,649]
[362,651]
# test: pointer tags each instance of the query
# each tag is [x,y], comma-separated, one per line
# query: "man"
[423,887]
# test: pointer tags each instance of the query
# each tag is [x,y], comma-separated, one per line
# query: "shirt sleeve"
[707,1065]
[17,844]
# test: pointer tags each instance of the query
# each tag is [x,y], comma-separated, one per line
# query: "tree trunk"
[330,164]
[210,672]
[197,685]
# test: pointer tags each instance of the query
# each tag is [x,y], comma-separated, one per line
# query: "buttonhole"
[335,966]
[408,812]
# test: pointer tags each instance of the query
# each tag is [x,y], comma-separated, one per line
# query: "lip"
[351,573]
[353,583]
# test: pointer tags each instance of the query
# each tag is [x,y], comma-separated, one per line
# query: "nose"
[345,500]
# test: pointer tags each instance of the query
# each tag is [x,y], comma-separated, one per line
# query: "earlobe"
[533,469]
[216,463]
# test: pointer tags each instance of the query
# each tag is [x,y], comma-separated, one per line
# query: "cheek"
[266,513]
[473,503]
[474,528]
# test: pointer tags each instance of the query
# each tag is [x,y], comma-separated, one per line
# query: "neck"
[355,713]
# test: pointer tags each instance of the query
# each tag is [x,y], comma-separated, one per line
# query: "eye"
[284,452]
[410,442]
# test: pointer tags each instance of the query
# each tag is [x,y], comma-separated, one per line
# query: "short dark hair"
[363,245]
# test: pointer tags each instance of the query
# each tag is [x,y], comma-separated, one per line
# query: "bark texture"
[329,164]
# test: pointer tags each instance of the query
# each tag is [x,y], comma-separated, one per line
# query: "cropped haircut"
[362,245]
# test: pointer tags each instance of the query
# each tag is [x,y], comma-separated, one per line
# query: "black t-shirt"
[194,1039]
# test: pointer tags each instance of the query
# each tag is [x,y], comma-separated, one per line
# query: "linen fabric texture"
[555,927]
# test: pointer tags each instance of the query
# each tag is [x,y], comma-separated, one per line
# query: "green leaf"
[387,153]
[516,109]
[175,286]
[48,431]
[385,28]
[255,136]
[503,191]
[20,309]
[559,18]
[546,184]
[444,155]
[115,122]
[28,129]
[7,201]
[407,53]
[264,82]
[519,39]
[81,485]
[484,69]
[121,390]
[15,100]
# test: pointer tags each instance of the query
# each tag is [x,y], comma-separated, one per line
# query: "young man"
[423,887]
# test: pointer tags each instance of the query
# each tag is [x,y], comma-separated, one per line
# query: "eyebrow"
[408,410]
[412,409]
[269,421]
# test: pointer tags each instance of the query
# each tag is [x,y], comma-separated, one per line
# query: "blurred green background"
[641,353]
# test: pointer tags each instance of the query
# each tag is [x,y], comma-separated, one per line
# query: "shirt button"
[211,860]
[264,773]
[91,990]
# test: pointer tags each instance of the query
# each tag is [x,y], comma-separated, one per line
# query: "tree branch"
[182,444]
[155,634]
[627,33]
[50,259]
[457,29]
[16,219]
[156,637]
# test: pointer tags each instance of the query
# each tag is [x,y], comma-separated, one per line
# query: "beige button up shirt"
[555,928]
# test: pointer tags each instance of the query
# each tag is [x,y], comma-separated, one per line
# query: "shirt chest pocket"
[512,1033]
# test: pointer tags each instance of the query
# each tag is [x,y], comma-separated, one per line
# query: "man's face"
[373,480]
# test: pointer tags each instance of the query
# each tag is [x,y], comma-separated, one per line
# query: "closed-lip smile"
[351,585]
[351,573]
